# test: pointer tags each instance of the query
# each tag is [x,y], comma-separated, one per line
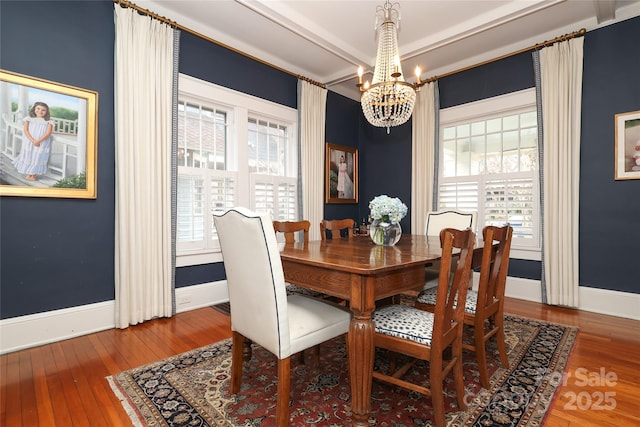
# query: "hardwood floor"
[63,384]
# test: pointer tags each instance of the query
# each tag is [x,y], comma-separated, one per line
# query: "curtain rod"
[125,3]
[538,46]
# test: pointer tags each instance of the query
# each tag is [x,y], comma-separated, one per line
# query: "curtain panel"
[423,155]
[312,107]
[145,73]
[561,97]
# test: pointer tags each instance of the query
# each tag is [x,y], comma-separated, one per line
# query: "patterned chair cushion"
[428,296]
[299,290]
[404,322]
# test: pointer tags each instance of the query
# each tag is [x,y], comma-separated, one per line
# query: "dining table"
[361,272]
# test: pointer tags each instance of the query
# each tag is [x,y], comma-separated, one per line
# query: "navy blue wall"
[343,116]
[609,209]
[207,61]
[386,162]
[58,253]
[497,78]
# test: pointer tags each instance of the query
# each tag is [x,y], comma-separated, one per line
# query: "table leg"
[360,343]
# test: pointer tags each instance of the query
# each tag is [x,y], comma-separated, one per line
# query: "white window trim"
[478,109]
[241,106]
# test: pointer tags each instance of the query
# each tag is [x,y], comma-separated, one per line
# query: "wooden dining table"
[361,272]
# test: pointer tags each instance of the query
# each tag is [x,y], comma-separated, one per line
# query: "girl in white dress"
[345,186]
[36,142]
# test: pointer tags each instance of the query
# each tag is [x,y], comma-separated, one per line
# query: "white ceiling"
[327,40]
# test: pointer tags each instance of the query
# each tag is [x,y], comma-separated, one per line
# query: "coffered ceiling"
[327,40]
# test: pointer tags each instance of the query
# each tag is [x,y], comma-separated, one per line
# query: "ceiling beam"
[605,10]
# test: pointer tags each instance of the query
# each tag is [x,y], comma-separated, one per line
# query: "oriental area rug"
[192,389]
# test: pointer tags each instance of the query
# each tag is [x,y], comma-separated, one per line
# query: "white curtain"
[561,91]
[424,128]
[143,113]
[312,109]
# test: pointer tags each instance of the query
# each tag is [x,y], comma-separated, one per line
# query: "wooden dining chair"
[290,228]
[342,228]
[261,311]
[484,308]
[423,335]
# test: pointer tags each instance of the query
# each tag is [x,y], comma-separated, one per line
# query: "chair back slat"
[494,266]
[337,226]
[448,314]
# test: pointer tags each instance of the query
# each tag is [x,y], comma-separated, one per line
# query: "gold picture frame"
[346,177]
[627,145]
[66,167]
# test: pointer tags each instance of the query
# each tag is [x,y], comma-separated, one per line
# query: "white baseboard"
[43,328]
[613,303]
[525,289]
[22,332]
[602,301]
[198,296]
[33,330]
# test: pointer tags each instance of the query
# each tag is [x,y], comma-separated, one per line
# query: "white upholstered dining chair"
[438,220]
[261,311]
[449,218]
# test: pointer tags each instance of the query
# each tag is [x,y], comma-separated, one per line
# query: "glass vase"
[384,233]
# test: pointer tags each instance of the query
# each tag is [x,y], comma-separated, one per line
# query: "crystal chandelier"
[388,100]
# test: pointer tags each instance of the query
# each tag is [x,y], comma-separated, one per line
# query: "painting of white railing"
[65,126]
[67,156]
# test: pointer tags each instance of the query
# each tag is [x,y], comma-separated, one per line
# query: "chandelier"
[388,101]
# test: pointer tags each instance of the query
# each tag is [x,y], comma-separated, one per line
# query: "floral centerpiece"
[386,213]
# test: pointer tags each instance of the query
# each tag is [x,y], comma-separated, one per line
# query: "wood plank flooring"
[63,384]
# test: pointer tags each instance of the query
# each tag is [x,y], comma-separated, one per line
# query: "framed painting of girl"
[47,138]
[341,174]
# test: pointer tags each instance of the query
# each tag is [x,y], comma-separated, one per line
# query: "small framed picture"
[341,174]
[628,145]
[48,139]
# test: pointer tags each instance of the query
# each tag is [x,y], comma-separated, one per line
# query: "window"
[489,164]
[233,150]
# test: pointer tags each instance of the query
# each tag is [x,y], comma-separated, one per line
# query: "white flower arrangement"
[387,209]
